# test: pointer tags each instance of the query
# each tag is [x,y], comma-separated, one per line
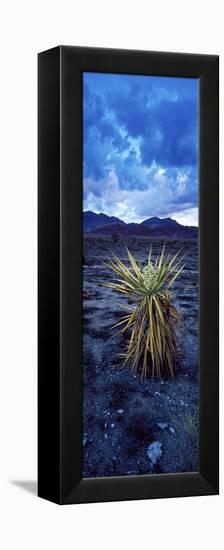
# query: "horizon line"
[149,218]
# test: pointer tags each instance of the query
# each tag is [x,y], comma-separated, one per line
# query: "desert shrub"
[152,320]
[186,453]
[115,237]
[191,425]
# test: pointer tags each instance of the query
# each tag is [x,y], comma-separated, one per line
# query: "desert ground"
[133,426]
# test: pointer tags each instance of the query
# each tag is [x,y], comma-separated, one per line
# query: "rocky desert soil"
[133,426]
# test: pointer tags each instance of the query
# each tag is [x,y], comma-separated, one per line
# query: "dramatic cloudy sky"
[140,146]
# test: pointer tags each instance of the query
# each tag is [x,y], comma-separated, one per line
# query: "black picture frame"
[60,274]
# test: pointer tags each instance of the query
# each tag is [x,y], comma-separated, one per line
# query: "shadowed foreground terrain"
[133,426]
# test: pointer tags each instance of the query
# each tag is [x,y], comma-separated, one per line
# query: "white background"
[27,27]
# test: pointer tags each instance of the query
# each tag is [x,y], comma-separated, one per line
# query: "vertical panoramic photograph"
[140,275]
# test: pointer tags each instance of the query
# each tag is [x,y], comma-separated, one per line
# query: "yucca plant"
[152,321]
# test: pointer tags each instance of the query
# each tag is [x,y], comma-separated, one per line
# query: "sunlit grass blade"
[175,276]
[134,265]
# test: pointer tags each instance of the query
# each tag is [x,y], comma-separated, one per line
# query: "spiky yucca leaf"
[152,323]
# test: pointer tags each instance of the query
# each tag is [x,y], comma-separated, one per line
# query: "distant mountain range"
[101,224]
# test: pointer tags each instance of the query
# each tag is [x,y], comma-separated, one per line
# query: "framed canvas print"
[128,275]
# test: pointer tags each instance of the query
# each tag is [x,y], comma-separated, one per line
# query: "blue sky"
[140,146]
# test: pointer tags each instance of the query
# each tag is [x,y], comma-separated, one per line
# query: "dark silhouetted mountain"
[152,227]
[158,222]
[92,221]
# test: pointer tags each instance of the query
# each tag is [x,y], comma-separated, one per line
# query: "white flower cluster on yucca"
[149,275]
